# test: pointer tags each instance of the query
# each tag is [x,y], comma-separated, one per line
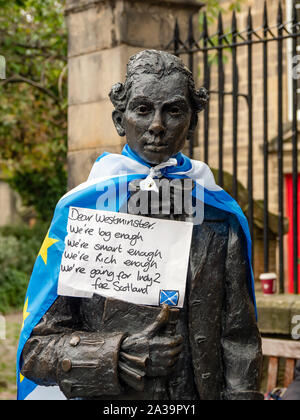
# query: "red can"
[268,283]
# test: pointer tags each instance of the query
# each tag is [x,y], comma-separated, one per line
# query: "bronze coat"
[72,347]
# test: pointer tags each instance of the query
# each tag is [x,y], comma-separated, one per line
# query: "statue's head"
[157,107]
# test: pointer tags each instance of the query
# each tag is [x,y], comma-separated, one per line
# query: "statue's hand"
[149,353]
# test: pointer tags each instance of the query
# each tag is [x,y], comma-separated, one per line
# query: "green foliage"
[213,8]
[19,247]
[40,189]
[13,285]
[212,11]
[33,108]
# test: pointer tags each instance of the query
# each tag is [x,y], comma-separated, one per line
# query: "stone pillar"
[103,35]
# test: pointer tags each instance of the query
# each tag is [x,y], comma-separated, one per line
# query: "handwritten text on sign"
[133,258]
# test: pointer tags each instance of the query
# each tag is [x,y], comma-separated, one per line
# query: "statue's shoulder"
[215,219]
[213,214]
[222,221]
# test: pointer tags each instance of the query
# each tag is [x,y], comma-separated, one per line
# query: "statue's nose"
[157,127]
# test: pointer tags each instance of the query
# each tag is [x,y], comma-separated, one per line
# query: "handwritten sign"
[137,259]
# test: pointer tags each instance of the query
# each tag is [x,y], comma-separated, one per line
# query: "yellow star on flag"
[25,313]
[48,242]
[21,377]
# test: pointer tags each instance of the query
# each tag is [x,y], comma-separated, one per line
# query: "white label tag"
[137,259]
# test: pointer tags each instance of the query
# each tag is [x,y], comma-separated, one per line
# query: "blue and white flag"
[108,170]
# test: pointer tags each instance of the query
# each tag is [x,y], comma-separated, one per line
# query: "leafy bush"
[19,246]
[13,284]
[33,106]
[40,188]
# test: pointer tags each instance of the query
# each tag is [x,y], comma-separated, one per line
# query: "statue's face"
[157,117]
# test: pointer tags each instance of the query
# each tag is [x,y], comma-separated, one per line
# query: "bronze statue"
[210,349]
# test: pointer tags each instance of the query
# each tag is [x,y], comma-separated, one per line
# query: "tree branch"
[52,57]
[20,79]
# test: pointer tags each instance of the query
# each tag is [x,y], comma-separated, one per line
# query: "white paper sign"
[137,259]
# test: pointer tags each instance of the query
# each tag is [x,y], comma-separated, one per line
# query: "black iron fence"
[210,51]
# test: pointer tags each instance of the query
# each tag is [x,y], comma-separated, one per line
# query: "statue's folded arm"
[83,364]
[241,342]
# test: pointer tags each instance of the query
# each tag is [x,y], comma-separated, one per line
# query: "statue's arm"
[83,364]
[241,340]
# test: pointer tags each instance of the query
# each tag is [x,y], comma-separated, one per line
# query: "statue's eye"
[143,109]
[174,110]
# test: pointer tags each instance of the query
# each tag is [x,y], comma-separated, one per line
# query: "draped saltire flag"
[119,170]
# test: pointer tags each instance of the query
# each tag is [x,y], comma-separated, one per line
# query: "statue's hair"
[160,64]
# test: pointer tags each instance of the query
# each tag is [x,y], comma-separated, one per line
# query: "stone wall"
[278,315]
[102,37]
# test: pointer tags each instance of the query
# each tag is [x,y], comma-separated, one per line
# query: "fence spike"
[176,29]
[265,18]
[176,37]
[234,23]
[205,26]
[294,17]
[191,39]
[280,14]
[220,24]
[249,20]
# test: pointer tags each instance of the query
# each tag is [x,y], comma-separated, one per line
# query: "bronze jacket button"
[66,365]
[75,340]
[200,339]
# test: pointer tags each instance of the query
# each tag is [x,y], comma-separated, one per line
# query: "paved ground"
[8,351]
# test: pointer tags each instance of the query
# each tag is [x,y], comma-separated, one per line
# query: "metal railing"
[233,40]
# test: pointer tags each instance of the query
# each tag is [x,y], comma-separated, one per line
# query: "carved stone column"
[103,34]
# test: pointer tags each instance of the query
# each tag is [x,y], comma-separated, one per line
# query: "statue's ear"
[117,117]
